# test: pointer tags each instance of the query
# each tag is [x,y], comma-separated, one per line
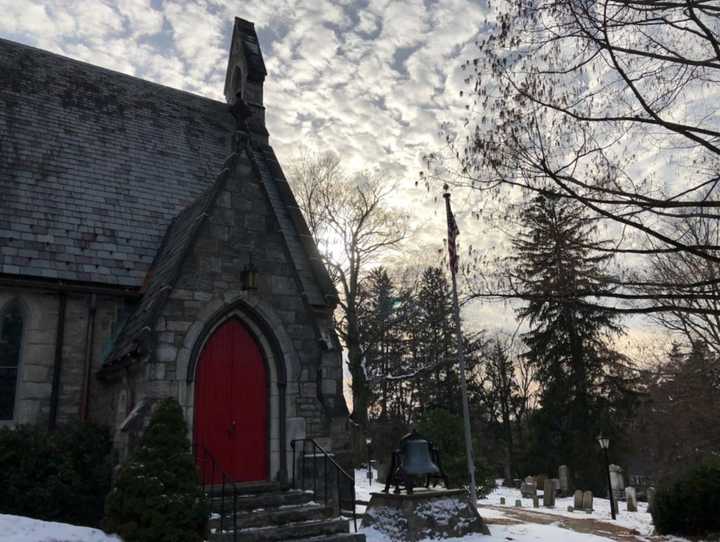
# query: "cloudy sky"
[369,79]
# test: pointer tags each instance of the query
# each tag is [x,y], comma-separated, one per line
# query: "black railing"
[214,479]
[316,464]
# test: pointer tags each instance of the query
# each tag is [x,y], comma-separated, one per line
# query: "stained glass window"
[11,324]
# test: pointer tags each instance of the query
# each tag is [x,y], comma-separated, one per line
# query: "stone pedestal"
[423,514]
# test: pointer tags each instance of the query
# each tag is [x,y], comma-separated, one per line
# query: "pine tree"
[583,381]
[157,496]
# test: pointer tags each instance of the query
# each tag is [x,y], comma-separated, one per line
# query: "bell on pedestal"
[416,457]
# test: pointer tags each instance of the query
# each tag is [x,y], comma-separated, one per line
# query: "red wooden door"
[231,406]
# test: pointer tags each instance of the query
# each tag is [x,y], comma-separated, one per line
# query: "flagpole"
[461,362]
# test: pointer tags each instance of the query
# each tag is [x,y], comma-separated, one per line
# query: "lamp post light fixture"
[605,444]
[368,442]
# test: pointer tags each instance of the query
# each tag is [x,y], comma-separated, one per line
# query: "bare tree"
[611,103]
[677,269]
[354,226]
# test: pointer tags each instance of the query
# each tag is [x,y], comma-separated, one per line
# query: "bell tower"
[246,74]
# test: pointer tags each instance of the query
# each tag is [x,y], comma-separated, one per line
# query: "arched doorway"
[231,405]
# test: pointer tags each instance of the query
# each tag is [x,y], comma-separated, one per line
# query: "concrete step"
[342,537]
[249,488]
[300,530]
[271,499]
[274,516]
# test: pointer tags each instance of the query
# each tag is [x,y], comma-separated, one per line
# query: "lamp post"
[605,444]
[368,442]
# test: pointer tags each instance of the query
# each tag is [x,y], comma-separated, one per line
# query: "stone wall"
[239,227]
[37,356]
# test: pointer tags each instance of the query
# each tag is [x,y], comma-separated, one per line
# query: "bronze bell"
[415,456]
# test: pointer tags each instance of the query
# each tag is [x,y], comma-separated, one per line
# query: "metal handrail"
[225,482]
[327,460]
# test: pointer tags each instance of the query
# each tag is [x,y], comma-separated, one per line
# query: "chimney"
[246,74]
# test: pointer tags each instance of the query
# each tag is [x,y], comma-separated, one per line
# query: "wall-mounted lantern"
[249,276]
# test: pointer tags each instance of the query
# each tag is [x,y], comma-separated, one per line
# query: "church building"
[151,247]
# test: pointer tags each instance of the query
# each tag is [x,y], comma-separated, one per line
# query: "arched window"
[11,325]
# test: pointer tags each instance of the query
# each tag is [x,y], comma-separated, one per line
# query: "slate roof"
[135,335]
[95,164]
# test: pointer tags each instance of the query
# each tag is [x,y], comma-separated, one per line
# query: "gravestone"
[556,485]
[536,501]
[518,503]
[631,499]
[650,499]
[564,477]
[528,487]
[587,501]
[570,508]
[502,500]
[617,483]
[578,501]
[549,494]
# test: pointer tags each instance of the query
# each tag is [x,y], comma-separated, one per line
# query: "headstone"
[556,485]
[570,508]
[502,500]
[549,494]
[528,488]
[518,503]
[650,499]
[587,501]
[564,477]
[617,483]
[631,499]
[578,501]
[517,482]
[536,501]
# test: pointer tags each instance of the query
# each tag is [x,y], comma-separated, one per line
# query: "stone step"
[300,530]
[271,499]
[274,516]
[250,488]
[342,537]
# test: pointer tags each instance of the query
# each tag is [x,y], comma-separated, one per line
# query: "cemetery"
[359,271]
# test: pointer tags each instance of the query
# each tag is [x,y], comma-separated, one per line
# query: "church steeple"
[246,69]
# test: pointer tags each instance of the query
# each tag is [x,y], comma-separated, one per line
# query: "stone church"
[150,246]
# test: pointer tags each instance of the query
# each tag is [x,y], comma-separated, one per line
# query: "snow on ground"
[522,532]
[22,529]
[641,520]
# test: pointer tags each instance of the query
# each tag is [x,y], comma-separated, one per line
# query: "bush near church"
[157,495]
[61,475]
[447,433]
[690,505]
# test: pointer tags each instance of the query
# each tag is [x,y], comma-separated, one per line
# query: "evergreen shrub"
[157,496]
[446,431]
[690,504]
[61,475]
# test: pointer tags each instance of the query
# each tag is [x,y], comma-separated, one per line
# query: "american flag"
[453,232]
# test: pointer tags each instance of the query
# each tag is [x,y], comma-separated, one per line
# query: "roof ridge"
[86,64]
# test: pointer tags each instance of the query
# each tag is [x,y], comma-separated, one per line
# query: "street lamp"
[368,442]
[605,444]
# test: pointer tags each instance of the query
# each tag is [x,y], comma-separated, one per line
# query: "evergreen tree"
[157,496]
[583,381]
